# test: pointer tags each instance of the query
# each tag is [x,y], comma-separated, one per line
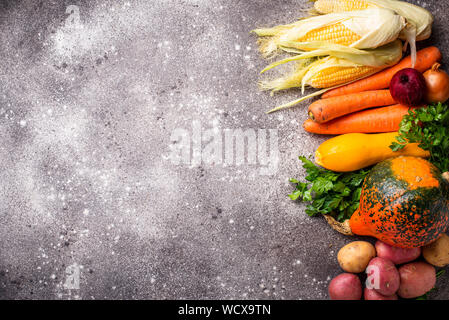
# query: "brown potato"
[417,278]
[345,286]
[396,255]
[437,253]
[382,276]
[355,256]
[371,294]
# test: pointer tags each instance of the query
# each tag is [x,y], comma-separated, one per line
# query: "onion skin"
[437,84]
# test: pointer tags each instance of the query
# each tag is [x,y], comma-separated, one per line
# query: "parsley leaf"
[328,192]
[429,127]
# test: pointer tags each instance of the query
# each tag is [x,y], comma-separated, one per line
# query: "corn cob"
[330,6]
[335,34]
[335,76]
[417,16]
[329,72]
[323,73]
[357,29]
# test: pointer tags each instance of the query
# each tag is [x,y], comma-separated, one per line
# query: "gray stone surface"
[88,110]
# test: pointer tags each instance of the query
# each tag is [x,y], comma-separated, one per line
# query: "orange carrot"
[327,109]
[424,61]
[385,119]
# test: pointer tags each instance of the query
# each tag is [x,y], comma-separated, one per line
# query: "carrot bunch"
[365,106]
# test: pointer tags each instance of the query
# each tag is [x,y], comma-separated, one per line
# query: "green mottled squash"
[404,202]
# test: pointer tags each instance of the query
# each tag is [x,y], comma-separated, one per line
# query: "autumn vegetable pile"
[385,173]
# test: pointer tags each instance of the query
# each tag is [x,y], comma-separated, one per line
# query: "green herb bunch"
[429,127]
[328,192]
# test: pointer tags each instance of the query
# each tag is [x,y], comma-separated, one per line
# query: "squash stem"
[342,227]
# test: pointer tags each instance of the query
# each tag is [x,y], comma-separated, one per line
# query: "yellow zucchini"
[354,151]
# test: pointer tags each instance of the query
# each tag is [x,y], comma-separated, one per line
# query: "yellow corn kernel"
[335,76]
[329,6]
[336,34]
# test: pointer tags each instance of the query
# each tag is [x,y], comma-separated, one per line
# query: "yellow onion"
[437,84]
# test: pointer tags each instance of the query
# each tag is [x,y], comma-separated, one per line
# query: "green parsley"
[429,127]
[328,192]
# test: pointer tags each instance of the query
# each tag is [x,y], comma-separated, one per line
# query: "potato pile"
[391,272]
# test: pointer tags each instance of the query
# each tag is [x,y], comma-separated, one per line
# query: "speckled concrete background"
[91,93]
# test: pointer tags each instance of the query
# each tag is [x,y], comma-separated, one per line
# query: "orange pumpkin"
[404,202]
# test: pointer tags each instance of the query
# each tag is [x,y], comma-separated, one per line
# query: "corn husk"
[415,15]
[376,27]
[419,20]
[381,57]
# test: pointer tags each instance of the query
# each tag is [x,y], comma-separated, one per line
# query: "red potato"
[417,278]
[346,286]
[382,276]
[371,294]
[396,255]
